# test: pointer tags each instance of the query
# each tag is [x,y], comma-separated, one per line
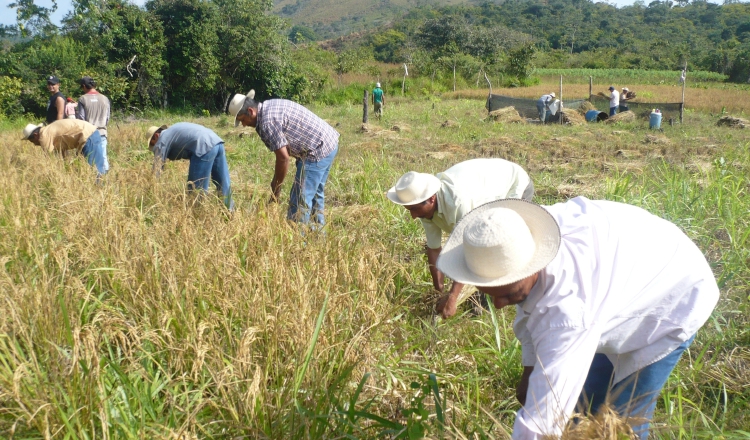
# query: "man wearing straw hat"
[607,297]
[69,134]
[290,130]
[441,201]
[201,146]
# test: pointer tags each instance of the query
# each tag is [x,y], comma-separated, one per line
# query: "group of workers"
[607,295]
[617,101]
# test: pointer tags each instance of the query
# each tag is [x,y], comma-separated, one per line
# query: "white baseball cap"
[413,188]
[500,243]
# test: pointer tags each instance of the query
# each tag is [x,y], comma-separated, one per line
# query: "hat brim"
[432,188]
[148,141]
[544,231]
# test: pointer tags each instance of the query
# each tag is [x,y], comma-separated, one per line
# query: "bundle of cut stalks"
[731,121]
[603,95]
[572,117]
[606,425]
[507,115]
[586,106]
[627,116]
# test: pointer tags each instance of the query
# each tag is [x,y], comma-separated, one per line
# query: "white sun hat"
[150,133]
[499,243]
[235,105]
[413,188]
[377,84]
[552,94]
[28,130]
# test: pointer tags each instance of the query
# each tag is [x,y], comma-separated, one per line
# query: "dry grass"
[621,117]
[506,115]
[731,121]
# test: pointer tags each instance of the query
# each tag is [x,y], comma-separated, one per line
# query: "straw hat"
[150,133]
[552,94]
[413,188]
[499,243]
[29,129]
[235,105]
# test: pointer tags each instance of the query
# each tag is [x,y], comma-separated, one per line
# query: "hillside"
[331,18]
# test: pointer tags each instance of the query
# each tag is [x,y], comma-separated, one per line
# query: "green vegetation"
[133,310]
[632,76]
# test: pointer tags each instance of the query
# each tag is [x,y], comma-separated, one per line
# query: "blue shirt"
[184,140]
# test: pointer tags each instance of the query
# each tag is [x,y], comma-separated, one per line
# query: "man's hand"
[523,386]
[446,306]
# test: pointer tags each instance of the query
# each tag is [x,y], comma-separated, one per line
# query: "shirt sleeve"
[563,359]
[433,233]
[528,352]
[81,110]
[273,135]
[160,157]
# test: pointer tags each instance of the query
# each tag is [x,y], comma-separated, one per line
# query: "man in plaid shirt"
[290,130]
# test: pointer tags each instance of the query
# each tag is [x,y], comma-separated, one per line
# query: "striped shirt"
[282,123]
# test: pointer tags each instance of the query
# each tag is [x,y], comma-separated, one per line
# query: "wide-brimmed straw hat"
[552,94]
[499,243]
[150,133]
[28,130]
[413,188]
[235,105]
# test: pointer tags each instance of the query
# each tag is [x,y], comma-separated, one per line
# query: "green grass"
[633,76]
[133,310]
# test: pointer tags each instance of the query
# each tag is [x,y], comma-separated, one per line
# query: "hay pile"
[606,425]
[627,116]
[732,122]
[375,131]
[572,117]
[507,115]
[586,106]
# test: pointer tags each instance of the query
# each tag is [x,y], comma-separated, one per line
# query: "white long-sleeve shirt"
[624,283]
[468,184]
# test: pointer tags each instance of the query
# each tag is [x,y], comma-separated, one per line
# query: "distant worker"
[94,107]
[202,147]
[542,105]
[56,104]
[378,100]
[624,98]
[290,130]
[614,101]
[441,201]
[70,108]
[69,134]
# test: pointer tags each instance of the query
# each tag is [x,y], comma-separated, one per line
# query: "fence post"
[684,81]
[364,108]
[561,102]
[591,86]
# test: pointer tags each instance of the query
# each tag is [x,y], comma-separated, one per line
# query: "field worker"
[290,130]
[69,134]
[614,101]
[201,146]
[607,297]
[624,100]
[94,107]
[56,104]
[70,108]
[441,201]
[378,100]
[542,106]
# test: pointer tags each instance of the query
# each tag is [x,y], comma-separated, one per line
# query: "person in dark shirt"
[56,105]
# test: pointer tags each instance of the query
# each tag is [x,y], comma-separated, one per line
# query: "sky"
[8,16]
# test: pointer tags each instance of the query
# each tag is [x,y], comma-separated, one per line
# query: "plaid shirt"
[282,123]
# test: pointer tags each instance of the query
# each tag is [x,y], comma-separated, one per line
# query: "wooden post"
[561,102]
[591,86]
[682,105]
[364,106]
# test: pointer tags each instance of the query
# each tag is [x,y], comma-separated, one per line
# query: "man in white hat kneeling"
[608,296]
[441,201]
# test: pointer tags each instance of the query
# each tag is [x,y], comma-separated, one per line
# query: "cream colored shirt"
[65,134]
[467,185]
[625,283]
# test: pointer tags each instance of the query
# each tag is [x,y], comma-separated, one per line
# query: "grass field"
[134,310]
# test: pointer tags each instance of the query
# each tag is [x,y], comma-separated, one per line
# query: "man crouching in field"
[69,134]
[441,201]
[198,144]
[290,130]
[608,296]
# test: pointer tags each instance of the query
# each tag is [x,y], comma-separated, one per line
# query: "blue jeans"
[634,396]
[542,109]
[92,151]
[104,152]
[307,198]
[612,111]
[212,165]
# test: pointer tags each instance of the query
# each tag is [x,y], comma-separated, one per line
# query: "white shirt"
[614,99]
[469,184]
[624,283]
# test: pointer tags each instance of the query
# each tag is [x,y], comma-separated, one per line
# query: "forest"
[195,53]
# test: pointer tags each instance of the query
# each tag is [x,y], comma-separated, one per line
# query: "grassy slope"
[134,310]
